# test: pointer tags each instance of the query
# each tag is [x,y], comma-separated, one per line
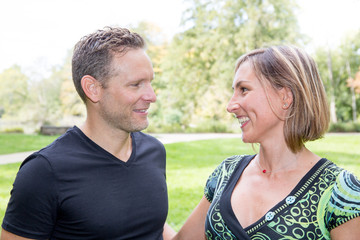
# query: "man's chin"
[140,127]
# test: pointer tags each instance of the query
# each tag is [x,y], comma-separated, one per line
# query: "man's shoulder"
[146,144]
[59,147]
[66,141]
[144,137]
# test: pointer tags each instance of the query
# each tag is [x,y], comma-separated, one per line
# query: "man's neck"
[116,142]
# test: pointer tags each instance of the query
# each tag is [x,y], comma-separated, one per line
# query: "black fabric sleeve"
[212,182]
[32,208]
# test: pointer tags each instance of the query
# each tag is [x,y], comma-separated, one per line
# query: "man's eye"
[135,84]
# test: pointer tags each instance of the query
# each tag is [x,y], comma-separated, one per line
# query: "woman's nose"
[232,106]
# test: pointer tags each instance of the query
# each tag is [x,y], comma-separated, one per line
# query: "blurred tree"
[351,83]
[332,72]
[157,49]
[355,82]
[331,88]
[199,67]
[344,60]
[71,103]
[46,108]
[54,98]
[13,92]
[351,55]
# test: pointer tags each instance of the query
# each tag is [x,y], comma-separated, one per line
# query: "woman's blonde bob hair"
[291,67]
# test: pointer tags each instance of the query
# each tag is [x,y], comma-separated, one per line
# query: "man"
[105,179]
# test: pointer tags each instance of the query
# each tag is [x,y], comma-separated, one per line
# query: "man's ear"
[91,88]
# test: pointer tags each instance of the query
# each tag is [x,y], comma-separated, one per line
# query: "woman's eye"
[244,89]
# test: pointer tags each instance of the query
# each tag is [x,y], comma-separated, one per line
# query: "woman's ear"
[287,97]
[91,88]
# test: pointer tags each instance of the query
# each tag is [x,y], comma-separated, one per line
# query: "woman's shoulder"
[342,196]
[341,174]
[223,172]
[348,185]
[235,159]
[228,165]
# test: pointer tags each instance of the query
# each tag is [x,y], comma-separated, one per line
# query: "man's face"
[126,99]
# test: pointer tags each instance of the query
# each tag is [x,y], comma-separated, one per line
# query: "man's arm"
[5,235]
[349,230]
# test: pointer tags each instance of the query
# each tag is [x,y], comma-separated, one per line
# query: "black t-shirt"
[74,189]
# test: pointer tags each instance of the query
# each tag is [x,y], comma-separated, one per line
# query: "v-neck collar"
[108,154]
[226,207]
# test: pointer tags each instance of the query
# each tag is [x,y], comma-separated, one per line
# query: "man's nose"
[150,95]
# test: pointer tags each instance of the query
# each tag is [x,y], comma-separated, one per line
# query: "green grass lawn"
[190,163]
[13,143]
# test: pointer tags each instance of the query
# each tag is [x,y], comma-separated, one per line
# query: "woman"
[285,191]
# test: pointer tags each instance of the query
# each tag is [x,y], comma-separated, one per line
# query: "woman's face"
[259,121]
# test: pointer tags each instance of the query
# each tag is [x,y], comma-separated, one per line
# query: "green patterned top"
[326,197]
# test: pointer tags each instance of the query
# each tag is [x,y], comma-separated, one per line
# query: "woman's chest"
[252,198]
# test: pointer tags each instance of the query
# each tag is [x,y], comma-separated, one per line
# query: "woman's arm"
[168,233]
[349,230]
[5,235]
[194,227]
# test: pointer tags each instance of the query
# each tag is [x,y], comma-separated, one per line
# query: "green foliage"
[199,66]
[344,127]
[41,100]
[70,102]
[13,130]
[209,126]
[13,92]
[193,72]
[55,97]
[205,126]
[345,61]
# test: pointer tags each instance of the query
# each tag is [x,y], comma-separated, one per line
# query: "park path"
[165,138]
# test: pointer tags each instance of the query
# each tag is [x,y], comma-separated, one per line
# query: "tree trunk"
[332,94]
[353,96]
